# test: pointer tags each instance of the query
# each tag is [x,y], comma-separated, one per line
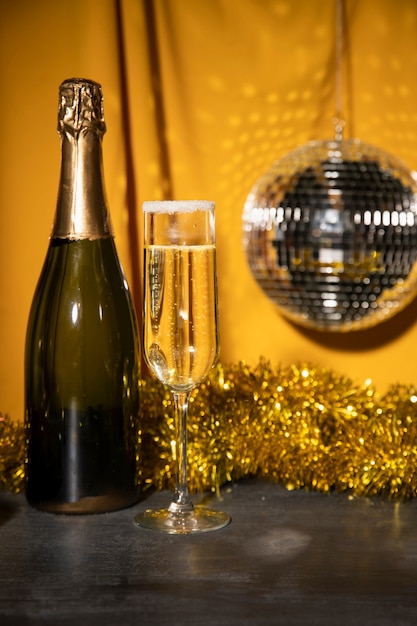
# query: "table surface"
[286,558]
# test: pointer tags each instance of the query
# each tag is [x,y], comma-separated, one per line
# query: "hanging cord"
[338,120]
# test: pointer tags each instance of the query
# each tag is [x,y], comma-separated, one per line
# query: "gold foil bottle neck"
[80,106]
[81,211]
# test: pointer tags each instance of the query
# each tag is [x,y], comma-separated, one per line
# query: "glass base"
[196,520]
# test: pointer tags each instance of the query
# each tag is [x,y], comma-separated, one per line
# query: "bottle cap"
[80,106]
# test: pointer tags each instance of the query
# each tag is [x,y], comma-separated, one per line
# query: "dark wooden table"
[287,558]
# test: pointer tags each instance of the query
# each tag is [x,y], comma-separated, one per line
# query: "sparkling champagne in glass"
[180,333]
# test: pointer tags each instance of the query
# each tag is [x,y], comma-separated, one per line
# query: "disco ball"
[330,235]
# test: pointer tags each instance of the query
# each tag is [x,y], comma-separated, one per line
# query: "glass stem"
[182,501]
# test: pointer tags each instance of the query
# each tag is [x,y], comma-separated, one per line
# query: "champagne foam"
[177,206]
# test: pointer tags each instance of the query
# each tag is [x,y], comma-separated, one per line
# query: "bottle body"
[82,371]
[82,355]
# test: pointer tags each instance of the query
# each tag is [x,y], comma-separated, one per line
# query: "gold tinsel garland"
[302,426]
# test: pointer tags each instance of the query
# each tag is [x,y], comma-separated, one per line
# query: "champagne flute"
[180,334]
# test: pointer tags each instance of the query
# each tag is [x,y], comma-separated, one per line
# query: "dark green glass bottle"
[82,351]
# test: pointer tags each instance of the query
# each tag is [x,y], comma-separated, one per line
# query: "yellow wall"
[244,82]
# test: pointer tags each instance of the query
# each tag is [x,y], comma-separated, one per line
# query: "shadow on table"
[8,508]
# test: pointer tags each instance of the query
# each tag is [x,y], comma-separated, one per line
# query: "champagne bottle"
[82,352]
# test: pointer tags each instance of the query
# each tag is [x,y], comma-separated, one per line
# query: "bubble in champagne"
[158,362]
